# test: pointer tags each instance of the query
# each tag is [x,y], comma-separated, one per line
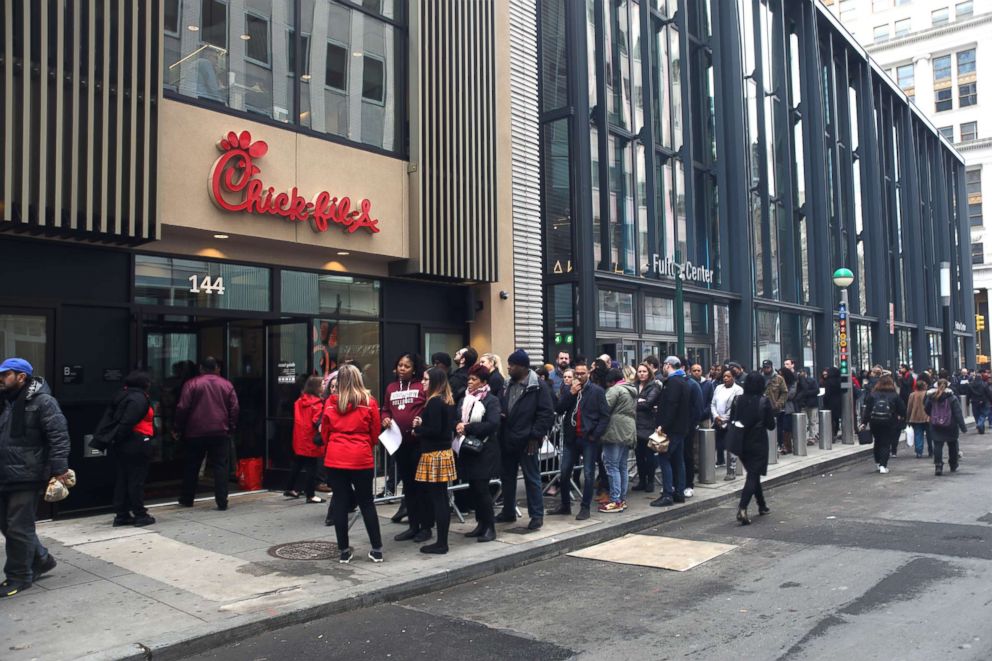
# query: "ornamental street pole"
[842,279]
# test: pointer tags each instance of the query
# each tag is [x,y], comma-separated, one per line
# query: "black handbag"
[865,437]
[473,444]
[733,439]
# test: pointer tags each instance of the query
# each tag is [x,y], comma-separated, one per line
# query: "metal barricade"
[799,434]
[826,429]
[773,446]
[706,457]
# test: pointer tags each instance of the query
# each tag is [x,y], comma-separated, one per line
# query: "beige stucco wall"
[188,150]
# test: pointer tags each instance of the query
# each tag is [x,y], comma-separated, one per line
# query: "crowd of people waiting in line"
[463,420]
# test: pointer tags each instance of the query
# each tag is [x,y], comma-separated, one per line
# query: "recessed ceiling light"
[343,253]
[245,37]
[221,236]
[193,28]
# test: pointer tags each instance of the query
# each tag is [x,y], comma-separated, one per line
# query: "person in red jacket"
[308,445]
[350,428]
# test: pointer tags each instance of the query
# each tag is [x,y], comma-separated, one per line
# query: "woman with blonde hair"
[494,364]
[434,428]
[350,428]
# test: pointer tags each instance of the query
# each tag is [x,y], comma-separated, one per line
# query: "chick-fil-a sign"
[234,186]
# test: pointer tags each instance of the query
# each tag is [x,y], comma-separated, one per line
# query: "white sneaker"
[687,493]
[883,470]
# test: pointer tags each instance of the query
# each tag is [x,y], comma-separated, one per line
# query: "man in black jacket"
[584,406]
[34,446]
[978,396]
[465,358]
[807,398]
[528,414]
[675,418]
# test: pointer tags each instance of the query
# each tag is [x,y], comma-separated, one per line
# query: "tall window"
[243,56]
[881,33]
[964,10]
[902,27]
[905,76]
[939,17]
[978,253]
[947,132]
[973,185]
[969,131]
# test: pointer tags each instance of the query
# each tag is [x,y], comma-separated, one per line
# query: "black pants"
[418,506]
[437,496]
[216,449]
[952,452]
[23,548]
[643,459]
[885,438]
[308,466]
[721,445]
[131,462]
[752,487]
[483,499]
[358,482]
[835,415]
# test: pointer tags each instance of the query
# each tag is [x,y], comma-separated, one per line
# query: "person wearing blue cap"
[34,446]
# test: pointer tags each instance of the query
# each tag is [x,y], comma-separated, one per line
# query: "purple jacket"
[208,406]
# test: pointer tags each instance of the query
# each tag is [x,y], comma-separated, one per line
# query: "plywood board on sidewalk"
[650,551]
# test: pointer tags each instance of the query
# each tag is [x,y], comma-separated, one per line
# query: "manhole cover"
[305,551]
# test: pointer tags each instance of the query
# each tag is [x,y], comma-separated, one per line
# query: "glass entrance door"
[621,350]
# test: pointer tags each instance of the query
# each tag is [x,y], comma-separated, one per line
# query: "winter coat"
[723,399]
[496,384]
[674,411]
[128,422]
[531,417]
[977,391]
[907,384]
[34,438]
[483,423]
[593,415]
[916,412]
[758,417]
[647,405]
[437,426]
[695,403]
[776,391]
[833,395]
[807,393]
[896,421]
[622,429]
[350,436]
[945,434]
[306,415]
[708,387]
[458,382]
[402,403]
[208,406]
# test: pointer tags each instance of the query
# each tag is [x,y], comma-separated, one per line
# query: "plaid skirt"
[436,466]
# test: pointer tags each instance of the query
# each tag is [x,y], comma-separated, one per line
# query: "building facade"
[282,185]
[734,154]
[936,51]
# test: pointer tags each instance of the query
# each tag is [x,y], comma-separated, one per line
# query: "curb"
[181,645]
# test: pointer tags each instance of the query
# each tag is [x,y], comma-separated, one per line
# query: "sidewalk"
[200,577]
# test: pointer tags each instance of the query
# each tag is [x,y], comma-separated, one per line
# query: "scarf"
[471,397]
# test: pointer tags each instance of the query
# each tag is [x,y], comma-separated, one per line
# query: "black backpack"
[882,411]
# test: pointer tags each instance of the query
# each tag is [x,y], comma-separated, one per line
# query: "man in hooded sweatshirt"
[34,446]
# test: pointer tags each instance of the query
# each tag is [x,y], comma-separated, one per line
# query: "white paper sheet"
[391,437]
[456,443]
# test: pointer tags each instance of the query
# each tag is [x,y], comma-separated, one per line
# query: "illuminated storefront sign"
[234,187]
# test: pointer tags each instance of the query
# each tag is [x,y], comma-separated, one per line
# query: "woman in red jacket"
[306,451]
[350,428]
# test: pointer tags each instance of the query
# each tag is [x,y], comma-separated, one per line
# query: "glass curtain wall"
[342,75]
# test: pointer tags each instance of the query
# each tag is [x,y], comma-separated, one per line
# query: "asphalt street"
[850,564]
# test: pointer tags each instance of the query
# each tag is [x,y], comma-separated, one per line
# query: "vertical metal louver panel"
[526,179]
[455,134]
[79,82]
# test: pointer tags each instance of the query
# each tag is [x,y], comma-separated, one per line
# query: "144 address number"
[206,285]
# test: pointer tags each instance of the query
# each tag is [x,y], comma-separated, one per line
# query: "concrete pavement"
[200,577]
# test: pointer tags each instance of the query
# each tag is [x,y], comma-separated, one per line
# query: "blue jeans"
[570,457]
[615,457]
[531,466]
[919,436]
[981,412]
[674,458]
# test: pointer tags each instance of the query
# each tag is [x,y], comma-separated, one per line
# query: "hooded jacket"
[34,438]
[622,428]
[306,415]
[350,436]
[531,416]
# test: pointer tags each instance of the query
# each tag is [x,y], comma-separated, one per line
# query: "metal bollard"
[706,458]
[826,429]
[964,405]
[799,434]
[773,446]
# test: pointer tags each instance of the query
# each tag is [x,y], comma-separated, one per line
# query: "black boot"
[649,484]
[479,529]
[400,513]
[488,534]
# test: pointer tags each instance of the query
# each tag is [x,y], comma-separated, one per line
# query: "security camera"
[504,295]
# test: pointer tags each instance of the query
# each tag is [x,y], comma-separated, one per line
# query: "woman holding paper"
[479,417]
[433,429]
[403,401]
